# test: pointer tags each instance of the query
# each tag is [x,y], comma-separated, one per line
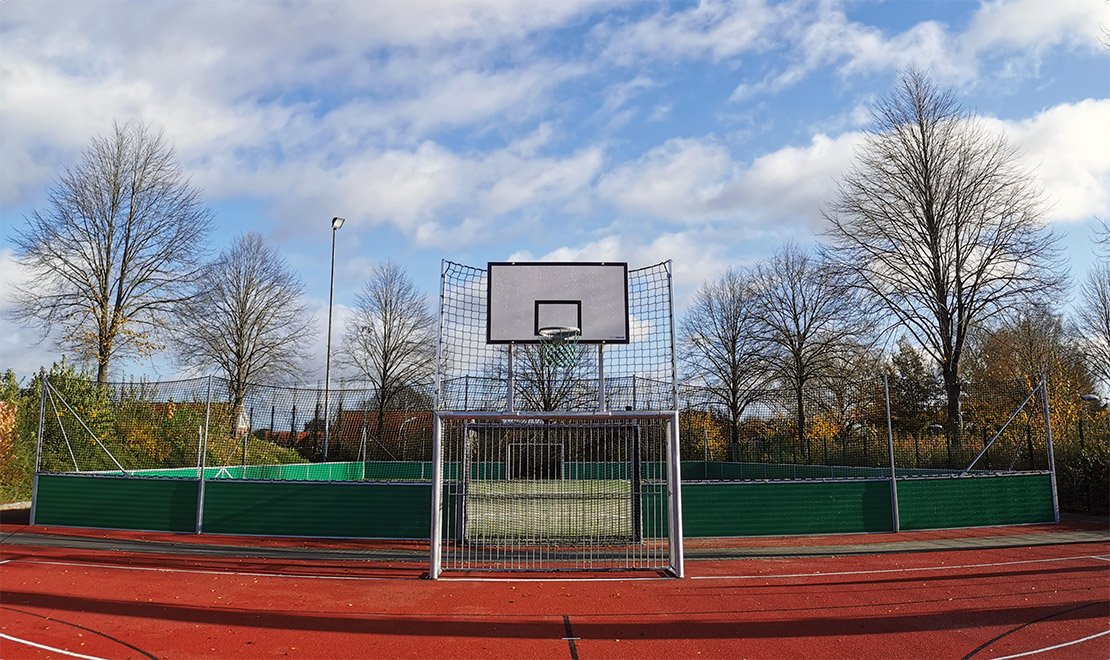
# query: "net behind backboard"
[472,374]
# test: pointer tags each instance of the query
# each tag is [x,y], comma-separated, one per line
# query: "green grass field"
[572,511]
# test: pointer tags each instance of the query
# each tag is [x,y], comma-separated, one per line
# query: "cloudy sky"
[483,130]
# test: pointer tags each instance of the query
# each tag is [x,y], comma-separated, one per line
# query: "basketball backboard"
[523,297]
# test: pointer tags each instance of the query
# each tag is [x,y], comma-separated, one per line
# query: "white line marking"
[1102,558]
[51,648]
[4,561]
[891,570]
[302,576]
[1053,648]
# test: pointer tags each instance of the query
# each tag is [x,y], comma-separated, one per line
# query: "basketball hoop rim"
[559,332]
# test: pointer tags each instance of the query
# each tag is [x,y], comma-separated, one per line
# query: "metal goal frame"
[672,563]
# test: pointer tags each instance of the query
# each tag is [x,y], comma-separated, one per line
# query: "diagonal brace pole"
[995,437]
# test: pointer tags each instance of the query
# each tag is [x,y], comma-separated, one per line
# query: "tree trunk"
[801,425]
[952,423]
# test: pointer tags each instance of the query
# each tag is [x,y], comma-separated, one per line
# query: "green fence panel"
[945,502]
[762,509]
[653,502]
[158,505]
[337,509]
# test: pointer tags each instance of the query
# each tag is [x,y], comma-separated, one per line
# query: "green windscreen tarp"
[161,505]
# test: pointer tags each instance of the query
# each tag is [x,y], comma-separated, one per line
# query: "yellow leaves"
[144,439]
[824,428]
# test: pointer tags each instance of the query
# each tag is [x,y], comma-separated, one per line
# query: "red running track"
[1049,601]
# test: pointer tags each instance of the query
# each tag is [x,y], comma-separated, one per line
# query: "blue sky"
[482,130]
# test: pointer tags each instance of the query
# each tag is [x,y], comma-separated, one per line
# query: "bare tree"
[390,339]
[937,221]
[720,344]
[122,235]
[543,384]
[1093,313]
[809,322]
[247,314]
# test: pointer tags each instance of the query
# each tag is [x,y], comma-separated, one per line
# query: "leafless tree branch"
[121,237]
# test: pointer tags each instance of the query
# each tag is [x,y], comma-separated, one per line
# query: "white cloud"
[22,349]
[1015,30]
[1036,24]
[697,181]
[1068,146]
[677,181]
[714,29]
[696,255]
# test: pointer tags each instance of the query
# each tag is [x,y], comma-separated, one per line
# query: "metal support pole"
[893,472]
[336,223]
[670,321]
[512,385]
[436,554]
[38,443]
[674,491]
[437,396]
[601,378]
[1051,458]
[203,459]
[43,384]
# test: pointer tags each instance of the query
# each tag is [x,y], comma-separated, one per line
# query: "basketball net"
[559,345]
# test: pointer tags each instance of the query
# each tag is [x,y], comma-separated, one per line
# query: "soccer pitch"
[566,510]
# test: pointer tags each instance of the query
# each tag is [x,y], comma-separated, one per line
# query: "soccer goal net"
[550,492]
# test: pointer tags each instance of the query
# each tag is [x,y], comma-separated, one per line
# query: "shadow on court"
[651,626]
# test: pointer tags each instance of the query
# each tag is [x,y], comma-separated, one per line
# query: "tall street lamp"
[336,223]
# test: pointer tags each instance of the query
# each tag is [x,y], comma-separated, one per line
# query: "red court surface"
[1043,600]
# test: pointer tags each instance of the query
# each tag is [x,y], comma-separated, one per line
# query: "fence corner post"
[893,472]
[202,460]
[1051,457]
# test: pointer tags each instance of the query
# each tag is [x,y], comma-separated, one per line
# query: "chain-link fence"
[844,430]
[179,428]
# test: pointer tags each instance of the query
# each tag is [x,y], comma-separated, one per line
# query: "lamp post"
[336,223]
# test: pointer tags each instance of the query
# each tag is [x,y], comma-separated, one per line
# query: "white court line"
[307,576]
[51,648]
[892,570]
[1102,558]
[1053,648]
[302,576]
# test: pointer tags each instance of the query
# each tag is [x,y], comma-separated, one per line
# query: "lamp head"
[337,222]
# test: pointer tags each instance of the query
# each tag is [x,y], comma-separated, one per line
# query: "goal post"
[556,492]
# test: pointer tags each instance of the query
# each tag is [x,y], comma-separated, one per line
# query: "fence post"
[203,458]
[674,478]
[437,497]
[890,445]
[43,384]
[38,443]
[1051,458]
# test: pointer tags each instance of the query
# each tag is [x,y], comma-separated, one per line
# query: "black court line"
[74,625]
[570,638]
[1025,625]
